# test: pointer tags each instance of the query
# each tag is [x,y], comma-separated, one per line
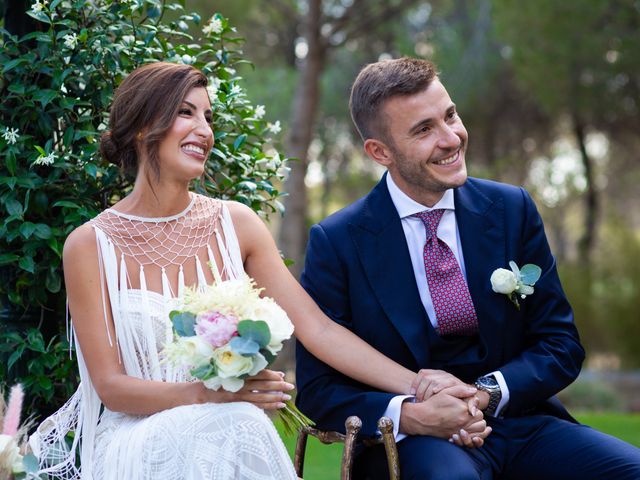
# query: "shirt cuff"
[504,389]
[393,412]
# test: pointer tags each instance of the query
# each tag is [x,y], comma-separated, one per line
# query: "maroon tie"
[449,292]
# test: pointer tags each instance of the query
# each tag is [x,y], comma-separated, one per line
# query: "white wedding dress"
[143,262]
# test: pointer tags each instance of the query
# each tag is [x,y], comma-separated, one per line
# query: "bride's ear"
[378,151]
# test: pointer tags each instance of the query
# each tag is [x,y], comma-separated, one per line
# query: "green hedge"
[56,86]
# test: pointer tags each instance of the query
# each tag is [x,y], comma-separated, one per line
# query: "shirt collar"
[406,206]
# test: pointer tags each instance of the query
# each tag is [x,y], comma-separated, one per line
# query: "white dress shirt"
[415,233]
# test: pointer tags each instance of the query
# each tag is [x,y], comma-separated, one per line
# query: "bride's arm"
[117,390]
[328,341]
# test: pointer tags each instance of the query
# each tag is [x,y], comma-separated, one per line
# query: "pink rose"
[216,328]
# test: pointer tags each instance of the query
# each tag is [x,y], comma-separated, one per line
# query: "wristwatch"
[490,385]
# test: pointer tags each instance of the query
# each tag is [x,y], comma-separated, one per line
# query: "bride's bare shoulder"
[80,242]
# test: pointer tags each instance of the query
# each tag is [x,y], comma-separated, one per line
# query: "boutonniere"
[517,282]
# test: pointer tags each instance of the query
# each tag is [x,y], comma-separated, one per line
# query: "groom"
[408,269]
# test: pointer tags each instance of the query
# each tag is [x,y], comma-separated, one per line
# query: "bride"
[134,416]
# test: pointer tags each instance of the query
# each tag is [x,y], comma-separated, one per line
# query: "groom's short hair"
[377,82]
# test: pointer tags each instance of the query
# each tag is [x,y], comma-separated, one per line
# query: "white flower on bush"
[70,40]
[38,6]
[230,366]
[503,281]
[10,455]
[45,159]
[259,112]
[213,26]
[274,128]
[10,135]
[188,352]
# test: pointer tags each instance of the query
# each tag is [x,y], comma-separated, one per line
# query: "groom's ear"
[378,152]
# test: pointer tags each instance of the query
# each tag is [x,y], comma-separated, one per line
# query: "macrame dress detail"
[144,263]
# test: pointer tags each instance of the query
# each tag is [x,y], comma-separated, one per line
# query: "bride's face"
[186,146]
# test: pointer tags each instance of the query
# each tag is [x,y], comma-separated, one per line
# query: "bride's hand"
[266,390]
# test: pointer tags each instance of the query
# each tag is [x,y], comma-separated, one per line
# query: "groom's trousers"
[537,447]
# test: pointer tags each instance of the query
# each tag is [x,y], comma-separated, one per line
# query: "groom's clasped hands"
[445,407]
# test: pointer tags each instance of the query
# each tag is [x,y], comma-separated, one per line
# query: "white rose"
[187,352]
[10,454]
[280,326]
[503,281]
[230,366]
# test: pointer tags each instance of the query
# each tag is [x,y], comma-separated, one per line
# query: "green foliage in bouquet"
[56,86]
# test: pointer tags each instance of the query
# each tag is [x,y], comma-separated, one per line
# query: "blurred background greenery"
[549,92]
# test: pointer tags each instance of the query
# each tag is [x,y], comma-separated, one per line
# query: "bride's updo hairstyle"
[144,107]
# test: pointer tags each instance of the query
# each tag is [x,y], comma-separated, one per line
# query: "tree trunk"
[293,230]
[586,243]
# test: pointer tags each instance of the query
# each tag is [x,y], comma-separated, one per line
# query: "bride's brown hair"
[144,107]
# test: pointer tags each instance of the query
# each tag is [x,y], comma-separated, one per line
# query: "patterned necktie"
[450,295]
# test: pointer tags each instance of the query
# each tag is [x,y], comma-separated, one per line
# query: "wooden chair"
[352,426]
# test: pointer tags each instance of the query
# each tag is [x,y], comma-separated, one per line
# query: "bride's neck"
[155,198]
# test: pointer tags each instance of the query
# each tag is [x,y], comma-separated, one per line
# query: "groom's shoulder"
[345,216]
[495,190]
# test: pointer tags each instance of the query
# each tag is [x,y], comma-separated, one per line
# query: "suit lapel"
[383,252]
[482,236]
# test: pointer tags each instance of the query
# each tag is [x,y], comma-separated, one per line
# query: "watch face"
[488,382]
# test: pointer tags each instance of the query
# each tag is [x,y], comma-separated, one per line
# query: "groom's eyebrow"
[427,122]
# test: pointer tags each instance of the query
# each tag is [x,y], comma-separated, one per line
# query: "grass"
[323,461]
[623,426]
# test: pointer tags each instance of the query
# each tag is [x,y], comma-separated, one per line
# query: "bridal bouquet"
[226,333]
[14,464]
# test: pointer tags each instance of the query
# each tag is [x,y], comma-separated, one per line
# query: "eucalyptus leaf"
[204,372]
[184,324]
[244,346]
[256,330]
[529,274]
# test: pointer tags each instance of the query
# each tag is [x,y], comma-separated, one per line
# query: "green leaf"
[45,383]
[204,372]
[26,263]
[15,356]
[66,203]
[11,162]
[530,273]
[268,356]
[14,207]
[45,96]
[91,170]
[43,231]
[184,323]
[256,330]
[13,64]
[244,346]
[7,258]
[239,141]
[27,229]
[52,282]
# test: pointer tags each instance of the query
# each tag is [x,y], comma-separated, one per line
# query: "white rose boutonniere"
[517,282]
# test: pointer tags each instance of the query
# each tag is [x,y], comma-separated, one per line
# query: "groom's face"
[427,141]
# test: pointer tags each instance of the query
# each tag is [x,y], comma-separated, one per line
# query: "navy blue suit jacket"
[359,271]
